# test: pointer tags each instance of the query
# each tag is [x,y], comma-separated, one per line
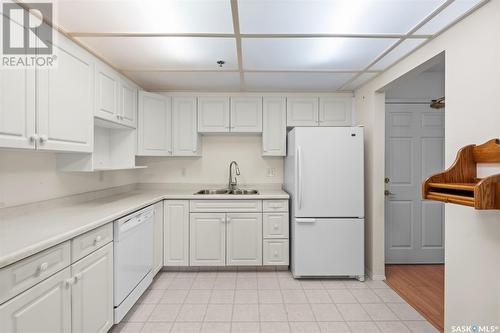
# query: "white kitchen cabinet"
[302,111]
[45,308]
[158,237]
[246,114]
[17,108]
[335,111]
[213,114]
[274,126]
[65,100]
[128,103]
[176,233]
[207,239]
[92,292]
[276,252]
[106,93]
[186,140]
[155,125]
[244,239]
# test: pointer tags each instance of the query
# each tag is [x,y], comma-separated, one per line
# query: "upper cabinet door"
[65,102]
[213,114]
[17,108]
[274,127]
[92,292]
[185,133]
[106,93]
[128,103]
[335,111]
[246,114]
[154,135]
[302,111]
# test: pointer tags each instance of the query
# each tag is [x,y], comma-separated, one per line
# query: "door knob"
[388,193]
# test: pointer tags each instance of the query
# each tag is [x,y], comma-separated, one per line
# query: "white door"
[301,111]
[128,103]
[207,239]
[244,239]
[92,292]
[45,308]
[158,237]
[185,133]
[17,108]
[274,126]
[414,229]
[213,114]
[329,177]
[246,114]
[176,233]
[335,111]
[65,101]
[154,134]
[106,93]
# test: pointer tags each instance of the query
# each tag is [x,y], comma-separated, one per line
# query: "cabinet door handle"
[275,226]
[97,239]
[228,220]
[69,282]
[275,253]
[34,138]
[43,267]
[43,138]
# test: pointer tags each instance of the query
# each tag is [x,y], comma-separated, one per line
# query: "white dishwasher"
[133,259]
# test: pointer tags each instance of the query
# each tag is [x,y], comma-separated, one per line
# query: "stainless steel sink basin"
[227,191]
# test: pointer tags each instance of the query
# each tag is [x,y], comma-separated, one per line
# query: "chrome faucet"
[233,183]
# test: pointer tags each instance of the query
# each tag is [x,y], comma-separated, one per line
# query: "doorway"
[414,228]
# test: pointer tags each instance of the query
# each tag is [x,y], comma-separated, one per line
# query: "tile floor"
[269,301]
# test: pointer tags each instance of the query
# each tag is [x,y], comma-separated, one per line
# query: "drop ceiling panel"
[397,53]
[447,16]
[359,81]
[146,16]
[296,81]
[187,81]
[312,53]
[150,53]
[333,16]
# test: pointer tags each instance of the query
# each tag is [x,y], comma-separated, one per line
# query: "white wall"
[424,86]
[472,240]
[28,176]
[213,167]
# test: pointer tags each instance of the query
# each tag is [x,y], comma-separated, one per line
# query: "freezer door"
[327,247]
[329,172]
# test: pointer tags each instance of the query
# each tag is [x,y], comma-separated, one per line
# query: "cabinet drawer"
[223,206]
[275,252]
[275,225]
[23,274]
[275,206]
[91,241]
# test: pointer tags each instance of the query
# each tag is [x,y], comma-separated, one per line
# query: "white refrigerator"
[324,177]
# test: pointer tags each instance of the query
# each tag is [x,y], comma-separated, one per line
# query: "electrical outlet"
[271,172]
[183,172]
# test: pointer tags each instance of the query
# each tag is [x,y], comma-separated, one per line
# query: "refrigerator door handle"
[305,220]
[299,176]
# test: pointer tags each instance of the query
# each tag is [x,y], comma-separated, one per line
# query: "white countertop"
[29,231]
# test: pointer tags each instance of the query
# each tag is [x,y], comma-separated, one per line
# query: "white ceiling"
[268,45]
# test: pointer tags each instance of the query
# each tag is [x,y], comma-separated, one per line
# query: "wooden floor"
[422,286]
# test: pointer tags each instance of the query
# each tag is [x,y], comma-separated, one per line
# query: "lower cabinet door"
[207,239]
[176,233]
[92,292]
[45,308]
[158,238]
[244,239]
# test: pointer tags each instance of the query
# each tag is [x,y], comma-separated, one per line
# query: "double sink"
[228,191]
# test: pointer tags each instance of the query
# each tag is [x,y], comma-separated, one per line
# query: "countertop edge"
[14,257]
